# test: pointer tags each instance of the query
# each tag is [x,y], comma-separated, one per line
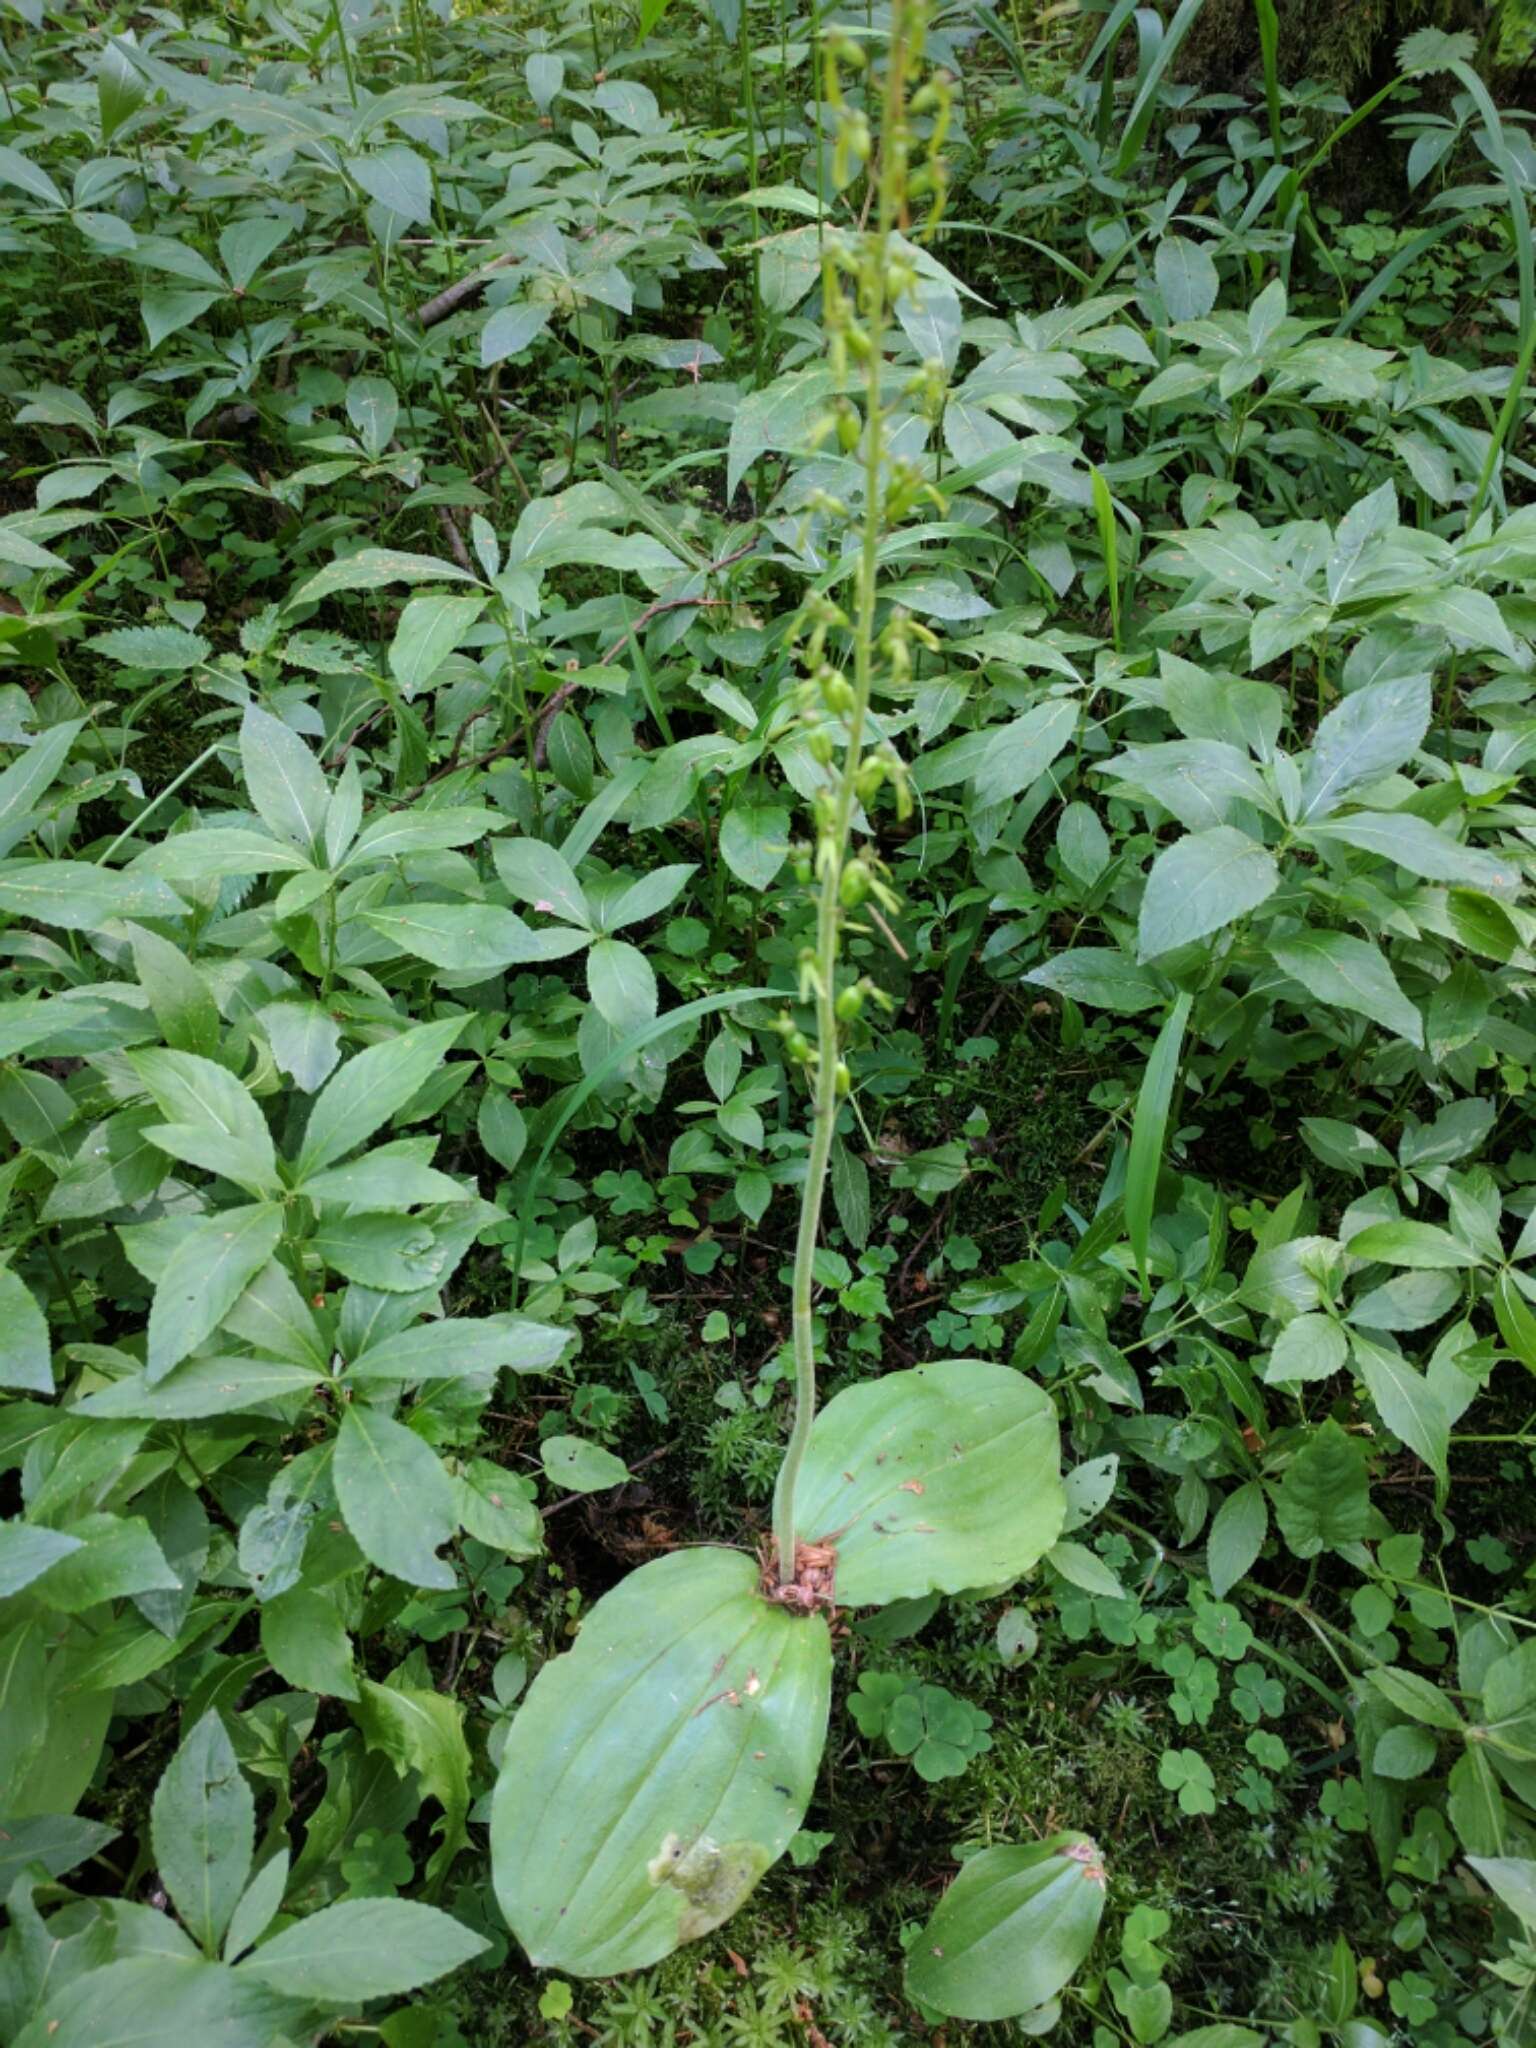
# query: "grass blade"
[1149,1128]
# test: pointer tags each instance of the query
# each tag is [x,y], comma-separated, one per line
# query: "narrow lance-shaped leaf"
[202,1823]
[1148,1130]
[370,1088]
[204,1278]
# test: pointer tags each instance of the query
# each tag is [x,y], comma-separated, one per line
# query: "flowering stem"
[834,830]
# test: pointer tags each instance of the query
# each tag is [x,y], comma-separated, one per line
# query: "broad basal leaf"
[933,1480]
[660,1767]
[1011,1930]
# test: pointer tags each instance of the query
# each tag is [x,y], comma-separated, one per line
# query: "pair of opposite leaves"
[659,1767]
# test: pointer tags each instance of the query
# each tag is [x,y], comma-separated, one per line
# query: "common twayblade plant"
[663,1764]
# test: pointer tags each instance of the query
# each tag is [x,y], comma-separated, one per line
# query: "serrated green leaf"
[202,1824]
[395,1497]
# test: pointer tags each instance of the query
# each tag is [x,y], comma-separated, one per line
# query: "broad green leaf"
[622,984]
[1372,516]
[648,896]
[59,1841]
[27,1551]
[157,1998]
[1086,1570]
[423,1732]
[304,1640]
[1011,1930]
[402,832]
[656,1770]
[274,1317]
[202,1824]
[1516,1319]
[117,1557]
[213,1119]
[245,245]
[1408,1243]
[210,854]
[284,780]
[1310,1347]
[179,996]
[164,650]
[204,1277]
[383,1180]
[375,569]
[30,776]
[305,1040]
[937,1479]
[472,939]
[374,411]
[501,1129]
[1236,1537]
[1513,1880]
[754,842]
[80,897]
[258,1906]
[370,1088]
[201,1387]
[778,416]
[1102,978]
[537,874]
[1468,615]
[430,628]
[1410,1692]
[1363,738]
[25,1352]
[580,1467]
[1186,277]
[399,179]
[460,1345]
[1019,753]
[166,312]
[26,176]
[1349,974]
[1323,1500]
[512,330]
[545,73]
[1148,1129]
[362,1949]
[1408,1404]
[1413,843]
[1199,884]
[496,1507]
[395,1497]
